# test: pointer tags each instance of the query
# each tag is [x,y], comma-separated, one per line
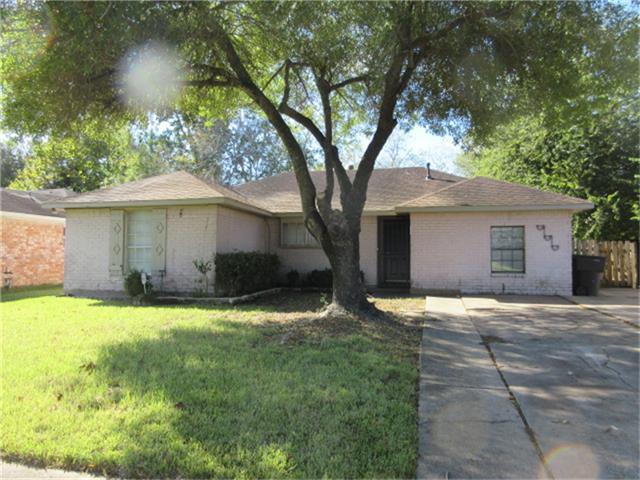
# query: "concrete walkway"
[14,471]
[623,303]
[468,425]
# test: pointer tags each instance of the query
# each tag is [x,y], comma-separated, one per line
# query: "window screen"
[507,249]
[139,240]
[295,234]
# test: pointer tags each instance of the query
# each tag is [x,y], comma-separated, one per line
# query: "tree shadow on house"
[238,400]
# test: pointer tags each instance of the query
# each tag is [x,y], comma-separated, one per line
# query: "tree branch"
[332,159]
[294,114]
[312,218]
[349,81]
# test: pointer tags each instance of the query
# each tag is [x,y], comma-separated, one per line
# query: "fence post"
[634,265]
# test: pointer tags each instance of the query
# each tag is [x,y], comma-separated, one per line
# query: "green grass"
[8,294]
[264,390]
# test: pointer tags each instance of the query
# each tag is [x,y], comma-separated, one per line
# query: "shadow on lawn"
[233,400]
[289,302]
[19,293]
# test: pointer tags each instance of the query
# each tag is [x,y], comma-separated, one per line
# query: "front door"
[393,248]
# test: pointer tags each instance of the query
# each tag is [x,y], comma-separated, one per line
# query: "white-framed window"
[139,240]
[507,249]
[294,234]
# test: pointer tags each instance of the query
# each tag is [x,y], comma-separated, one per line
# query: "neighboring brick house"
[32,238]
[421,229]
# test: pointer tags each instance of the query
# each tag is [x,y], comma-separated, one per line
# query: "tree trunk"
[349,295]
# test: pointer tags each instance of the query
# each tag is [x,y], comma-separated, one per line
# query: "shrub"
[293,278]
[320,278]
[245,272]
[204,267]
[133,284]
[323,278]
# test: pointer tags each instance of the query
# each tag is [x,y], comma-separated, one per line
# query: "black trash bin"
[587,271]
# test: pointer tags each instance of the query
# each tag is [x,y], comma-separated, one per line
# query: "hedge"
[240,273]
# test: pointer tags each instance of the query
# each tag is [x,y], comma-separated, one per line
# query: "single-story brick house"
[32,243]
[420,230]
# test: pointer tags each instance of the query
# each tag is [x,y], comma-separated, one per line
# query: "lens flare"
[151,77]
[571,461]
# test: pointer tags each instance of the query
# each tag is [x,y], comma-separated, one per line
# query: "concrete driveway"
[620,303]
[527,387]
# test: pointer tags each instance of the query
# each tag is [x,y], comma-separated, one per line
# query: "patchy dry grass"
[262,390]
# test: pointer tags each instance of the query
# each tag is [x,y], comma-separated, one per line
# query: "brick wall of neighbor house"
[306,259]
[240,231]
[191,234]
[452,251]
[31,250]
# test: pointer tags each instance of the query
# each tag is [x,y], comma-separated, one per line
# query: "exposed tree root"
[367,312]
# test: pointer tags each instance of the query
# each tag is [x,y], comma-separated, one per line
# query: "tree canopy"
[596,159]
[586,146]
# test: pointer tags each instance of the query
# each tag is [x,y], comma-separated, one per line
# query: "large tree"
[325,66]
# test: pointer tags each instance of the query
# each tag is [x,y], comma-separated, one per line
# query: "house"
[421,229]
[32,243]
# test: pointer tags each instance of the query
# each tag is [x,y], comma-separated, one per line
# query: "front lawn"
[252,391]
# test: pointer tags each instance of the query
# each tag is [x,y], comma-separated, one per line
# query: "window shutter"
[116,243]
[159,219]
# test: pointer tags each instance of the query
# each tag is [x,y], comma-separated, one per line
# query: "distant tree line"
[227,151]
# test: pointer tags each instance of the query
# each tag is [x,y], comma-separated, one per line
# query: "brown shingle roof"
[30,202]
[486,192]
[388,187]
[176,187]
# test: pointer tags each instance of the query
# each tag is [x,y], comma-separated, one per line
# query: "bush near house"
[133,284]
[320,278]
[323,278]
[239,273]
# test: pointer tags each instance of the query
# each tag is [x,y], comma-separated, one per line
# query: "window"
[139,240]
[295,234]
[507,249]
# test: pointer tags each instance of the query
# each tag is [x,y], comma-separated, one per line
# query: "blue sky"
[441,151]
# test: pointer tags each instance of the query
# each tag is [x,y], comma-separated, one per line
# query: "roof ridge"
[456,184]
[311,171]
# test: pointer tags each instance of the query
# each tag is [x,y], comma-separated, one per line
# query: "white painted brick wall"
[448,250]
[86,251]
[452,251]
[191,234]
[306,259]
[240,231]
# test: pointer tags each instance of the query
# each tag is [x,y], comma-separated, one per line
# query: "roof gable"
[171,188]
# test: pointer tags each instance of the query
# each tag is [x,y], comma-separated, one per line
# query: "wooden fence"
[621,269]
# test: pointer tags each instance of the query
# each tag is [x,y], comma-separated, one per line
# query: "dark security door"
[394,247]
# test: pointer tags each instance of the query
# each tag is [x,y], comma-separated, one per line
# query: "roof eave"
[495,208]
[160,203]
[366,213]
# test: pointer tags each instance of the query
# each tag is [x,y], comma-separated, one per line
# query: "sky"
[441,151]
